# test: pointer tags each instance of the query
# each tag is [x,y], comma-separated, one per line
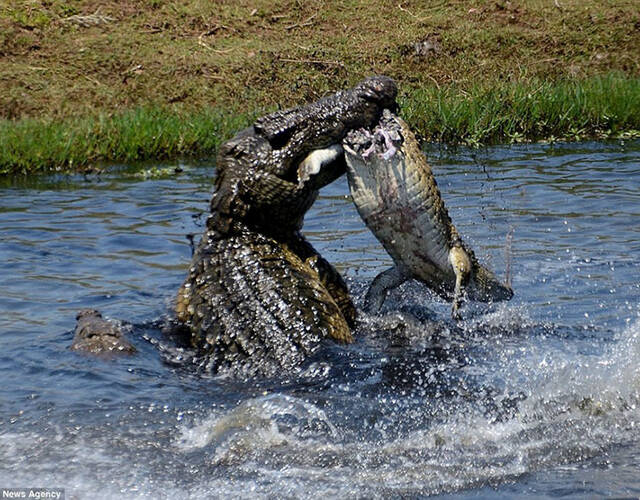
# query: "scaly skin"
[258,298]
[397,196]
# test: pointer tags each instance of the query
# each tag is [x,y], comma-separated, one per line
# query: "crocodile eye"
[280,140]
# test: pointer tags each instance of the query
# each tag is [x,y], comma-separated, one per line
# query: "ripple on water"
[537,397]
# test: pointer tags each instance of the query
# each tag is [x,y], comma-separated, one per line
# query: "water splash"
[535,398]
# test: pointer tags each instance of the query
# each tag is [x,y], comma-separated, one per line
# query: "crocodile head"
[397,196]
[96,335]
[263,179]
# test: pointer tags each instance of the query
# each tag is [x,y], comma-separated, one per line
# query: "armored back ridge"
[258,298]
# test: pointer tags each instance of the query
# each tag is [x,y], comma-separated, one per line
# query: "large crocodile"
[258,298]
[396,194]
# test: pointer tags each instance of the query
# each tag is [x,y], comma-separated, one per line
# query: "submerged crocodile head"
[96,335]
[396,194]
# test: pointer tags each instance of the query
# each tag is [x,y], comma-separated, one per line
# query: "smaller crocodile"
[396,195]
[96,335]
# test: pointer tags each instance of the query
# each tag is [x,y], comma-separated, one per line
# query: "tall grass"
[508,112]
[600,107]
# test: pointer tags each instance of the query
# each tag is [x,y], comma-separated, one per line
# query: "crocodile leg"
[461,264]
[380,286]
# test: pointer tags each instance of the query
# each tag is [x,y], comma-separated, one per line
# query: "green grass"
[63,58]
[597,107]
[90,80]
[32,145]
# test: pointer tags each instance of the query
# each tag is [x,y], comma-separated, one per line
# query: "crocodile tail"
[487,287]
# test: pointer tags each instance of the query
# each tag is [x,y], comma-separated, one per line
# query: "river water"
[539,397]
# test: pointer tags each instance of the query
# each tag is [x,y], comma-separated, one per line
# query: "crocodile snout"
[381,90]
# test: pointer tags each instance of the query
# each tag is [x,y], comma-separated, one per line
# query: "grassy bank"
[600,107]
[85,80]
[32,145]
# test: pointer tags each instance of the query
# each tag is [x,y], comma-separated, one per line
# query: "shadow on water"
[534,398]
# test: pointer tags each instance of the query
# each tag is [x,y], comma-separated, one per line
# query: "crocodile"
[98,336]
[397,196]
[258,299]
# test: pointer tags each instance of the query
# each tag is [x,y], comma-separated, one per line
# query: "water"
[535,398]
